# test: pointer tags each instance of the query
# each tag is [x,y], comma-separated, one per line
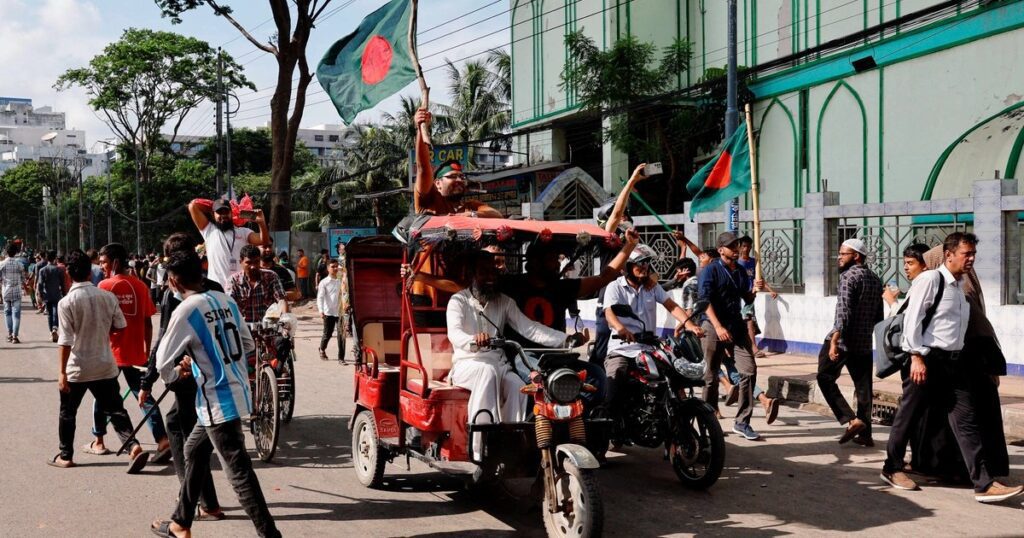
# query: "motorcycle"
[572,500]
[661,408]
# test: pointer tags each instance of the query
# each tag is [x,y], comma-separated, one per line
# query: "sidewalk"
[792,377]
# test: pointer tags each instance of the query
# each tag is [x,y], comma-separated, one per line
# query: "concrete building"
[875,120]
[328,143]
[40,134]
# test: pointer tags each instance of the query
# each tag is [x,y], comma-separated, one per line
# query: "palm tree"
[500,63]
[476,110]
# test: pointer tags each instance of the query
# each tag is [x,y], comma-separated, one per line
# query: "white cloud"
[45,39]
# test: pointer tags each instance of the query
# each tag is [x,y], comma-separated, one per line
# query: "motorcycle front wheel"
[697,446]
[581,512]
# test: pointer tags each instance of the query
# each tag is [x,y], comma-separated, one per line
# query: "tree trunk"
[282,153]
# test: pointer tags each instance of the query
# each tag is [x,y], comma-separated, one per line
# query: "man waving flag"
[372,63]
[726,176]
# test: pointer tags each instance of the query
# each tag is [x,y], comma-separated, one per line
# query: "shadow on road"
[25,380]
[332,449]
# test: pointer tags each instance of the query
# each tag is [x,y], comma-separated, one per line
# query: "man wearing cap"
[442,191]
[223,240]
[849,343]
[725,285]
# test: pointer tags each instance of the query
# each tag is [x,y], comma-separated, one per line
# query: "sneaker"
[323,355]
[771,410]
[53,334]
[734,395]
[746,431]
[899,480]
[997,492]
[14,340]
[10,338]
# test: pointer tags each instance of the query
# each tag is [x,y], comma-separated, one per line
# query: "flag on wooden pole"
[372,63]
[725,177]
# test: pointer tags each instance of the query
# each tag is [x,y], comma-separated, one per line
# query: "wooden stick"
[424,90]
[753,193]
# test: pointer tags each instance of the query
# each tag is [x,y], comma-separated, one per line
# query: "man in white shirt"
[87,317]
[635,290]
[208,328]
[328,299]
[474,316]
[224,240]
[934,346]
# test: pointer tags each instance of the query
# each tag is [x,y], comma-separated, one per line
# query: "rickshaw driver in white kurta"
[486,373]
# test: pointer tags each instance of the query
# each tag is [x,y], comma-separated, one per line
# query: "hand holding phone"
[653,168]
[247,214]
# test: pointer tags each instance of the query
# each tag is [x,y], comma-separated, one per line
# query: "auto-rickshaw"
[404,403]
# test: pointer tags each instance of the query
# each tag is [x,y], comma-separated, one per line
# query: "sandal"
[163,528]
[162,456]
[90,449]
[217,515]
[63,464]
[138,462]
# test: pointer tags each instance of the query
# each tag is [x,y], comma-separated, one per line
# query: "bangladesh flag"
[726,176]
[370,64]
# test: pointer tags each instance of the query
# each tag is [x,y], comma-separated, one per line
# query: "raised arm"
[591,284]
[620,203]
[685,243]
[263,237]
[199,209]
[424,172]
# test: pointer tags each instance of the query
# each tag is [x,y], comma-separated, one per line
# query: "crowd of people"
[99,307]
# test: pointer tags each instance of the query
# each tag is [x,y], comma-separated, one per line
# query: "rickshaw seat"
[440,390]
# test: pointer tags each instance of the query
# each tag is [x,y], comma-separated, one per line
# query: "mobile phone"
[652,169]
[247,214]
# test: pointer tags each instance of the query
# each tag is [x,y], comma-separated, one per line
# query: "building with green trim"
[928,99]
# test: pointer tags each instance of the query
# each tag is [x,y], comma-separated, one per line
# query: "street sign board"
[336,236]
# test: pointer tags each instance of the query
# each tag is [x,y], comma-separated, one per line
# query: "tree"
[148,80]
[22,188]
[477,109]
[288,45]
[628,85]
[251,153]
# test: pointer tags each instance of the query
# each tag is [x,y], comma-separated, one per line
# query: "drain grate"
[883,412]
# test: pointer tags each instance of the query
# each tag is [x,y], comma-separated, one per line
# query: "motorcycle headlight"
[563,385]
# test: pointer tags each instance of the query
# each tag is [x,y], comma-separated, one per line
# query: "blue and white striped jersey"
[209,328]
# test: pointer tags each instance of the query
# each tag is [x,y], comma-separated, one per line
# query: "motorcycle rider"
[636,290]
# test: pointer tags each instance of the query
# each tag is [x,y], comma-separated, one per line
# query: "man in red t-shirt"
[131,346]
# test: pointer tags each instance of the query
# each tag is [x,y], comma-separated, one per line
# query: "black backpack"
[889,355]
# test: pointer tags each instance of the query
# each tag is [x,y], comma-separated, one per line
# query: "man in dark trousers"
[181,418]
[725,285]
[937,361]
[849,343]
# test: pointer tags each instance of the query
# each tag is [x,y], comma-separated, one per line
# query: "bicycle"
[272,381]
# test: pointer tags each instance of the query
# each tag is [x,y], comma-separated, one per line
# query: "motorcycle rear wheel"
[582,512]
[697,447]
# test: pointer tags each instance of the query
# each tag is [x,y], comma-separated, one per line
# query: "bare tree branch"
[223,13]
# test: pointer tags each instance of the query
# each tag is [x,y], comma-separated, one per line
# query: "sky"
[44,38]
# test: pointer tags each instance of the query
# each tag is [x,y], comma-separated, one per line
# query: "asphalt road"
[797,481]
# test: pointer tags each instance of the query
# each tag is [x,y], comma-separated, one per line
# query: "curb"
[803,394]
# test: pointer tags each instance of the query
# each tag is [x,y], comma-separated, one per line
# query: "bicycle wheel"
[286,386]
[266,416]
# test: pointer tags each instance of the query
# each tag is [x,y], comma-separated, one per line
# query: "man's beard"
[846,265]
[483,291]
[224,226]
[455,198]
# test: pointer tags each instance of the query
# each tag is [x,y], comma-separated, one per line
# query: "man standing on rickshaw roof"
[442,191]
[473,318]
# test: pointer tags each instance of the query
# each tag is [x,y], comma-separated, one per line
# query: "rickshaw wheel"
[582,511]
[288,400]
[267,418]
[367,455]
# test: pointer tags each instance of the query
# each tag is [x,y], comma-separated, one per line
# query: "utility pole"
[731,111]
[227,135]
[81,214]
[220,111]
[138,207]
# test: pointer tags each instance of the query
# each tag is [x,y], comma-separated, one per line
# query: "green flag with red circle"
[724,177]
[370,64]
